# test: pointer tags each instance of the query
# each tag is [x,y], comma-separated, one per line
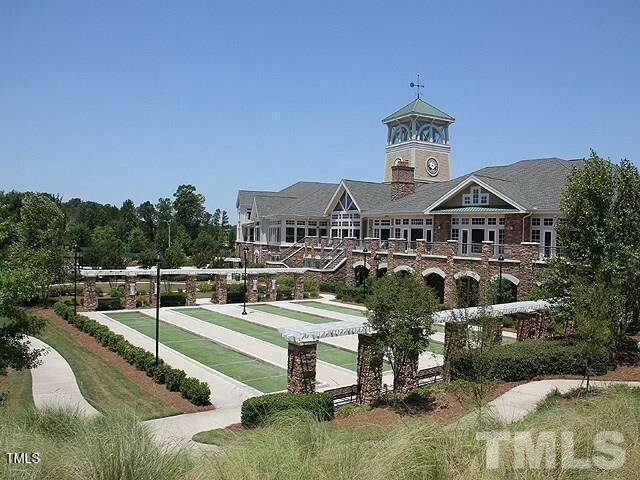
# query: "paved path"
[53,383]
[225,391]
[329,376]
[518,402]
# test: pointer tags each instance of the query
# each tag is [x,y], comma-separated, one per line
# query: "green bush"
[528,359]
[109,303]
[311,288]
[235,292]
[258,411]
[192,389]
[172,300]
[328,287]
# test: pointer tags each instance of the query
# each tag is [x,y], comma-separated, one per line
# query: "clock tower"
[418,133]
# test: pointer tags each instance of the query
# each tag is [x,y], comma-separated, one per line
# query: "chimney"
[403,182]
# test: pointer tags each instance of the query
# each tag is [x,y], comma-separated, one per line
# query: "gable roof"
[419,107]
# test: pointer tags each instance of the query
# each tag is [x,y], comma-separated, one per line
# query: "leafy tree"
[224,223]
[165,218]
[174,256]
[137,241]
[189,208]
[106,251]
[39,244]
[148,219]
[216,218]
[400,310]
[128,219]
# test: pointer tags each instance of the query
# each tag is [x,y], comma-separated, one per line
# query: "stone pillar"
[301,368]
[130,292]
[90,297]
[405,379]
[534,326]
[450,290]
[455,341]
[252,288]
[491,332]
[190,290]
[271,289]
[221,289]
[298,286]
[153,291]
[370,360]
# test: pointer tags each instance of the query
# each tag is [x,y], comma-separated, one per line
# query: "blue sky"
[110,100]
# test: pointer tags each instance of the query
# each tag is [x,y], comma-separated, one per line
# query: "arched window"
[424,134]
[399,133]
[437,133]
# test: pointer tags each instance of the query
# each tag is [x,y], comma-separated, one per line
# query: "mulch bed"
[137,376]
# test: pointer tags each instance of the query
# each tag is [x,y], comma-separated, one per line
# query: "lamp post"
[169,225]
[500,261]
[364,272]
[75,278]
[245,250]
[158,260]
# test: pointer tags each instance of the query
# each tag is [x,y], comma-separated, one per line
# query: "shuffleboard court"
[326,353]
[334,308]
[284,312]
[260,375]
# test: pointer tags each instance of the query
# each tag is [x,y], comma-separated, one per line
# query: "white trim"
[507,276]
[466,183]
[436,270]
[382,265]
[467,273]
[403,268]
[334,198]
[360,263]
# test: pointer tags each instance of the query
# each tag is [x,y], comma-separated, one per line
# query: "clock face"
[432,167]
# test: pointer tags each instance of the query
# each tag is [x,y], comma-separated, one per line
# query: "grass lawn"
[326,353]
[250,371]
[334,308]
[102,384]
[18,387]
[284,312]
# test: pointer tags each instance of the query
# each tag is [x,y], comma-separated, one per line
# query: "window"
[323,231]
[398,221]
[290,236]
[417,221]
[312,223]
[484,199]
[492,221]
[428,221]
[399,133]
[535,235]
[291,222]
[501,237]
[396,233]
[437,134]
[464,221]
[455,221]
[548,222]
[466,199]
[501,221]
[477,221]
[455,234]
[312,231]
[405,221]
[535,222]
[475,195]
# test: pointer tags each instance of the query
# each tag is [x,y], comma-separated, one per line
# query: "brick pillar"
[370,360]
[190,290]
[301,368]
[450,291]
[534,326]
[221,289]
[405,379]
[153,290]
[391,248]
[455,341]
[298,286]
[90,297]
[130,292]
[271,289]
[252,288]
[491,332]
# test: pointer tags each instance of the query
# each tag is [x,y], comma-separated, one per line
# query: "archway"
[505,293]
[436,283]
[360,274]
[403,270]
[467,289]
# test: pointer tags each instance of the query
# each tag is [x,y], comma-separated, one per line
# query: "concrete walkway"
[53,383]
[518,402]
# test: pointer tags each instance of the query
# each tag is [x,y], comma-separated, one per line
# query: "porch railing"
[547,252]
[406,246]
[469,249]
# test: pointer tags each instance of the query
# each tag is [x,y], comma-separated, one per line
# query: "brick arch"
[360,263]
[403,268]
[434,270]
[507,276]
[467,273]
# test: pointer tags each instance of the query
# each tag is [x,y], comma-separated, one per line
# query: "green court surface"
[334,308]
[326,353]
[258,374]
[285,312]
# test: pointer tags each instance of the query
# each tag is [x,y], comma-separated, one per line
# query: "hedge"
[257,411]
[528,359]
[172,300]
[192,389]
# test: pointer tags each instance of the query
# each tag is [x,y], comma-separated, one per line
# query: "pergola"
[220,275]
[303,340]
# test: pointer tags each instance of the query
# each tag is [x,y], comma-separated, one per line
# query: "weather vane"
[417,85]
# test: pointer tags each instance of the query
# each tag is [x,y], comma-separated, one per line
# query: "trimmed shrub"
[192,389]
[258,411]
[528,359]
[328,287]
[172,300]
[109,303]
[235,292]
[311,288]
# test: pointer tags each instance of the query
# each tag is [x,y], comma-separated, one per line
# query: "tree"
[601,235]
[400,310]
[137,242]
[165,218]
[174,256]
[39,243]
[106,251]
[216,218]
[148,219]
[189,208]
[16,288]
[128,219]
[224,223]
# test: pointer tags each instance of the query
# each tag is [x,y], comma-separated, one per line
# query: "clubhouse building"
[457,233]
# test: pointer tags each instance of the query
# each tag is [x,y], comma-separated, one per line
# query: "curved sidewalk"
[54,384]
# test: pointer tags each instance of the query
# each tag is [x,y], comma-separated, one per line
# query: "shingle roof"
[419,107]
